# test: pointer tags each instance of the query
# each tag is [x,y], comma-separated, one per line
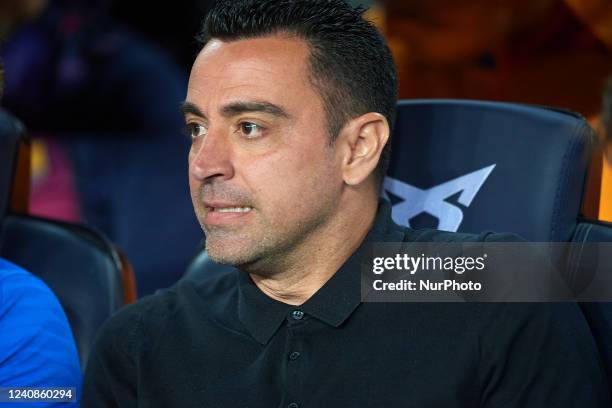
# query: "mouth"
[229,209]
[226,215]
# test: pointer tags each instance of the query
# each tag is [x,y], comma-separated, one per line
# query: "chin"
[227,253]
[244,259]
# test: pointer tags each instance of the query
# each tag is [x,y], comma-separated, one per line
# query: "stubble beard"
[266,253]
[235,248]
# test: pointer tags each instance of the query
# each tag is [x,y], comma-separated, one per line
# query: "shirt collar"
[332,304]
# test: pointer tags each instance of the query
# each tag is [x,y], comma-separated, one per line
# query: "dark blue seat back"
[471,166]
[79,265]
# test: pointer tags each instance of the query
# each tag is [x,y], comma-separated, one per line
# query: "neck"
[305,271]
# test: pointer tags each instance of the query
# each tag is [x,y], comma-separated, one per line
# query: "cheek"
[194,182]
[194,187]
[292,182]
[190,177]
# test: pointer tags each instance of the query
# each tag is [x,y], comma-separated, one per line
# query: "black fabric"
[217,341]
[581,261]
[532,162]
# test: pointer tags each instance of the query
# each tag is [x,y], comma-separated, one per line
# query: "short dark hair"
[350,63]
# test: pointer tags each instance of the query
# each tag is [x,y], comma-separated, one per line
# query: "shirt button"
[294,356]
[297,315]
[293,405]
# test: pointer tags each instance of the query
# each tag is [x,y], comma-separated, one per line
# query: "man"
[36,344]
[289,108]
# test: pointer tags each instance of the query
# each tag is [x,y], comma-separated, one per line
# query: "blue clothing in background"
[36,344]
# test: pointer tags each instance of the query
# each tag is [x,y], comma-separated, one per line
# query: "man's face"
[264,180]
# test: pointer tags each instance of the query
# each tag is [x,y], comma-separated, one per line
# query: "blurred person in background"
[102,105]
[546,52]
[530,51]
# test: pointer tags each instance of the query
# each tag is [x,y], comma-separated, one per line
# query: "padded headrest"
[77,263]
[12,139]
[472,166]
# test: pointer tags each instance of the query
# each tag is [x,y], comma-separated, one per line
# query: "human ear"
[363,139]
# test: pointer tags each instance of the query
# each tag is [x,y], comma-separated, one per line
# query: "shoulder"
[432,235]
[543,315]
[144,322]
[556,330]
[531,343]
[25,296]
[40,347]
[202,292]
[16,284]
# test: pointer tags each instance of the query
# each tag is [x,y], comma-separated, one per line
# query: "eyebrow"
[236,108]
[188,108]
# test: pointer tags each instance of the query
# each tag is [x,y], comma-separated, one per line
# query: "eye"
[194,130]
[251,130]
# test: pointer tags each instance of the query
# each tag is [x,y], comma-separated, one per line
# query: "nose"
[211,158]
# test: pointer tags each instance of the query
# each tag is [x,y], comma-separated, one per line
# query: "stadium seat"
[84,270]
[472,166]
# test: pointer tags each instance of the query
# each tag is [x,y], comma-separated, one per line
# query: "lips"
[223,213]
[229,209]
[226,206]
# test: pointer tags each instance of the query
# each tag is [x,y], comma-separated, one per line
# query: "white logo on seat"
[432,201]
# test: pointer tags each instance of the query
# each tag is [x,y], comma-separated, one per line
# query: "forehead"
[273,67]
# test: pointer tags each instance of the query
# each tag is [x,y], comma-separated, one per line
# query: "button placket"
[297,323]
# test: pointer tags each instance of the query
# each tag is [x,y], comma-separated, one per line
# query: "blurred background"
[98,84]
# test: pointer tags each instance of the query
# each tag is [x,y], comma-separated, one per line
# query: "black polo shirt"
[218,341]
